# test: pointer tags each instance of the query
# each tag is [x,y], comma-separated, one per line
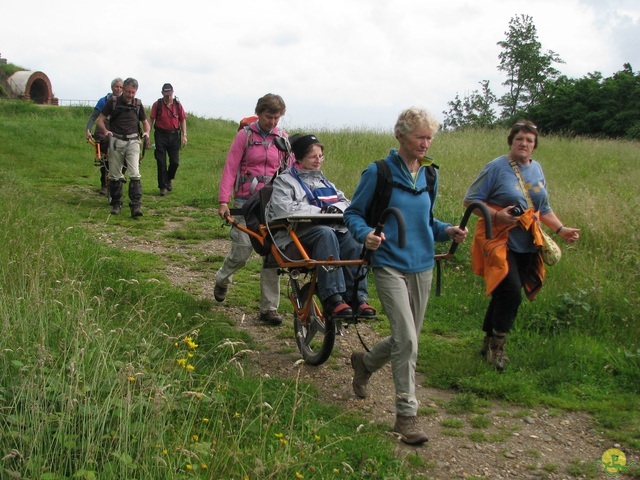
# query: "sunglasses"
[523,124]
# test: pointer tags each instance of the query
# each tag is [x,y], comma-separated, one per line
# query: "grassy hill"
[109,370]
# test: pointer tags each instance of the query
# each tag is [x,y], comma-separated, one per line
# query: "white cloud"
[336,63]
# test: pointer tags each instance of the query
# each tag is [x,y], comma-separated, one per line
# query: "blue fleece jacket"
[418,255]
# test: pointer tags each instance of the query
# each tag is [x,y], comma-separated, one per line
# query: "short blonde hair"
[414,118]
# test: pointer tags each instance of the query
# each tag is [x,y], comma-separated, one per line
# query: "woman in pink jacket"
[251,162]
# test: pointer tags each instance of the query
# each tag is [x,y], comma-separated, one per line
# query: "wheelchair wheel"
[316,336]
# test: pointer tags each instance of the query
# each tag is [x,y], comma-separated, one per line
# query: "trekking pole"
[454,245]
[366,253]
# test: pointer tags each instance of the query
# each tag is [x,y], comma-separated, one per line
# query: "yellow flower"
[190,343]
[195,437]
[182,362]
[279,435]
[283,441]
[299,475]
[203,466]
[317,438]
[336,471]
[189,355]
[205,420]
[190,368]
[236,415]
[165,452]
[189,466]
[131,378]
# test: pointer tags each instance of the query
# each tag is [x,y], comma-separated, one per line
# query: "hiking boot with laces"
[410,432]
[360,375]
[271,317]
[220,293]
[496,354]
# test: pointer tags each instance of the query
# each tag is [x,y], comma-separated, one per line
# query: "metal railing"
[76,103]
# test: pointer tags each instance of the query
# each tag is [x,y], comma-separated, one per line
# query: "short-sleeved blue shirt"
[497,184]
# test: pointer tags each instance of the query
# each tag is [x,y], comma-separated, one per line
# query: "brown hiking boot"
[220,293]
[496,354]
[410,432]
[360,375]
[271,318]
[115,209]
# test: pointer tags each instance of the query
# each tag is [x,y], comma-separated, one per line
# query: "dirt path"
[508,442]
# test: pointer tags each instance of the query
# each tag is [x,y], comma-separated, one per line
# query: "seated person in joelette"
[303,188]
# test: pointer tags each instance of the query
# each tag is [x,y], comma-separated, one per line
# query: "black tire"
[315,339]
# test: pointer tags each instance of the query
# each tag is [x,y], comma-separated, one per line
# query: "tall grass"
[108,370]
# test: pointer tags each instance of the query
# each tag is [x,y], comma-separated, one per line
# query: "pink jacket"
[243,174]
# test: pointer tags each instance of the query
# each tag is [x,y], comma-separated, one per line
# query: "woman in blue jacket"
[403,276]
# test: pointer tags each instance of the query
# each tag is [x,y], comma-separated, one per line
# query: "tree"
[527,67]
[474,110]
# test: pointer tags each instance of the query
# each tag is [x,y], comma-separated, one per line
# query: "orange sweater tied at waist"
[489,257]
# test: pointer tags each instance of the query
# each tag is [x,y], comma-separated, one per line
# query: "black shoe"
[220,293]
[115,209]
[335,306]
[136,212]
[163,192]
[271,317]
[170,185]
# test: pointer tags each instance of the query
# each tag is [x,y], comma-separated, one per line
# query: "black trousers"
[507,296]
[167,144]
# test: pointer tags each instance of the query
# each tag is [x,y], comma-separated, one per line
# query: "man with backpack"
[169,121]
[99,134]
[125,115]
[252,161]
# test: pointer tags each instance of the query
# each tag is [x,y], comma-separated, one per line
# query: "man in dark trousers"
[125,115]
[170,122]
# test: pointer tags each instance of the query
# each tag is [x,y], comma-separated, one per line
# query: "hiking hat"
[166,88]
[301,144]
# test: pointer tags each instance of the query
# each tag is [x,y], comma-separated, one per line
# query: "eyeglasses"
[523,124]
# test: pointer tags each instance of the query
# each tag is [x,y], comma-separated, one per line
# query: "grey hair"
[130,81]
[414,118]
[116,80]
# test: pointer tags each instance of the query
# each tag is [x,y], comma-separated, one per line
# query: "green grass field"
[107,371]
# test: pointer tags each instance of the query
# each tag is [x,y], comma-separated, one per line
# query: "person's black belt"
[131,136]
[162,130]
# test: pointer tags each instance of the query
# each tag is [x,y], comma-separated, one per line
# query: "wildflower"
[203,466]
[195,437]
[317,438]
[205,420]
[131,378]
[189,355]
[283,441]
[190,343]
[175,344]
[189,466]
[236,415]
[299,475]
[182,362]
[165,452]
[190,368]
[336,471]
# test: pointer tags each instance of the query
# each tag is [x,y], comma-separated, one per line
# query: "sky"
[337,64]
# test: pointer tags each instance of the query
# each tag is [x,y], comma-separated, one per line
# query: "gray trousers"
[404,297]
[237,257]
